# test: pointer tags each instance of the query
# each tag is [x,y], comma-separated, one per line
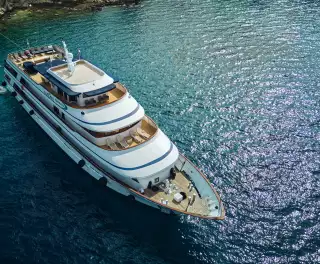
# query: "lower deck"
[179,184]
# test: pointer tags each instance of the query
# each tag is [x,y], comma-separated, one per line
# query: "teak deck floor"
[198,207]
[131,142]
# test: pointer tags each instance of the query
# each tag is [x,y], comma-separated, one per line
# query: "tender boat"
[95,120]
[2,89]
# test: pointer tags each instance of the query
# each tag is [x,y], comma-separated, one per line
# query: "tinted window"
[24,83]
[9,68]
[72,98]
[7,78]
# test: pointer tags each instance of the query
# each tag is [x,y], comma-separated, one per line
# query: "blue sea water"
[235,84]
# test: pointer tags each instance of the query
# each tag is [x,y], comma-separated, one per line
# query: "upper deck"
[83,73]
[84,88]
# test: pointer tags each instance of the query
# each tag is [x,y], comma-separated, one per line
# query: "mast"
[68,56]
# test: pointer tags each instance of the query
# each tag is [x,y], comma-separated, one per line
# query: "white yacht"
[96,121]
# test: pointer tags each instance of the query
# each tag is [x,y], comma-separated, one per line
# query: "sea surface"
[236,86]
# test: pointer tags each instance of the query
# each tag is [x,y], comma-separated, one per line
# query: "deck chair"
[142,133]
[27,53]
[136,136]
[112,145]
[16,57]
[22,55]
[122,141]
[105,97]
[32,51]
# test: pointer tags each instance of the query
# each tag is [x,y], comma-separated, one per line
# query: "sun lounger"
[136,136]
[143,133]
[122,142]
[32,51]
[16,57]
[112,145]
[22,55]
[105,97]
[27,53]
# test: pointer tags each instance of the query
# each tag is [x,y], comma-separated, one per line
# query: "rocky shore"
[7,6]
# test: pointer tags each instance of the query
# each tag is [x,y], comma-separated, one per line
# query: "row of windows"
[57,112]
[25,83]
[7,78]
[65,96]
[11,70]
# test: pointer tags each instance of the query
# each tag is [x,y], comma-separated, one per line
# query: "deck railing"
[201,183]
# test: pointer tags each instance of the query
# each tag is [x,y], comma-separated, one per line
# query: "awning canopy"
[101,90]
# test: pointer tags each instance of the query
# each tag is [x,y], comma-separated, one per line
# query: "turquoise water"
[235,84]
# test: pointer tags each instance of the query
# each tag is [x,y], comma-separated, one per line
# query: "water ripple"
[233,83]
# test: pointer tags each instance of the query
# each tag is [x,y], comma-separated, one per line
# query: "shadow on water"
[161,234]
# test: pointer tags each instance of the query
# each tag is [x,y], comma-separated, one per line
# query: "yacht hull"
[86,164]
[63,137]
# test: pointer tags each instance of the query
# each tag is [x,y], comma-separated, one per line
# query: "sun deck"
[84,72]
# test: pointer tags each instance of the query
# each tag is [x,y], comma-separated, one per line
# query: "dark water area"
[235,84]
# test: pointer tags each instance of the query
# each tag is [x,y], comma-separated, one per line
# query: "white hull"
[40,105]
[90,168]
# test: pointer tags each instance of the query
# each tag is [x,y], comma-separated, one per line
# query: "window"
[24,83]
[156,180]
[17,88]
[62,116]
[72,98]
[60,92]
[10,69]
[65,96]
[7,78]
[56,110]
